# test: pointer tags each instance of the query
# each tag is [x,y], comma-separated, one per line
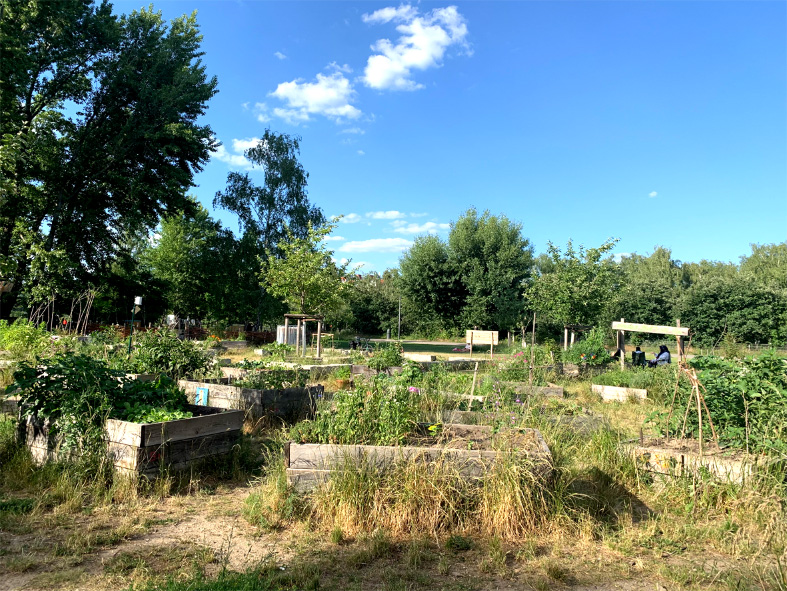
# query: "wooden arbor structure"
[300,348]
[573,329]
[680,332]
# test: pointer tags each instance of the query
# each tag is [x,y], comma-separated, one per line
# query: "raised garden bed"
[148,449]
[287,403]
[474,449]
[524,388]
[681,457]
[618,394]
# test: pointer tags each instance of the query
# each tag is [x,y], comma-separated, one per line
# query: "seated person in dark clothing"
[663,358]
[638,358]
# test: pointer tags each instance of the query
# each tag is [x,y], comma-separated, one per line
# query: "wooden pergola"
[573,329]
[302,319]
[680,332]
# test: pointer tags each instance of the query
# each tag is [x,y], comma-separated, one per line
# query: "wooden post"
[532,352]
[286,331]
[491,350]
[298,338]
[475,371]
[319,336]
[622,347]
[565,339]
[573,334]
[679,338]
[471,351]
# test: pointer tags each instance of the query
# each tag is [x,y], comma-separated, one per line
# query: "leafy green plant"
[342,373]
[161,351]
[386,356]
[77,393]
[382,413]
[589,350]
[275,378]
[24,340]
[278,350]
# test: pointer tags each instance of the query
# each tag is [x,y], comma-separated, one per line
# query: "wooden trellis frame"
[680,332]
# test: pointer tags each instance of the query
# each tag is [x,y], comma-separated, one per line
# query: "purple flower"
[414,390]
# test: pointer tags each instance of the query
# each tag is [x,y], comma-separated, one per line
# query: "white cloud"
[329,95]
[376,245]
[334,238]
[427,227]
[386,215]
[261,111]
[234,160]
[243,145]
[385,15]
[353,130]
[351,218]
[280,55]
[652,194]
[418,215]
[361,153]
[422,45]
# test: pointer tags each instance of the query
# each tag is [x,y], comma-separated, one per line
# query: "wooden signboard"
[481,337]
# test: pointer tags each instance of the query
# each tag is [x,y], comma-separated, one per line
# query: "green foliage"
[161,351]
[305,275]
[275,378]
[77,393]
[574,286]
[145,413]
[747,401]
[380,413]
[23,340]
[278,350]
[81,88]
[473,279]
[589,350]
[386,356]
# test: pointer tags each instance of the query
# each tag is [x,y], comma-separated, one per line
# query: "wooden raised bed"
[287,403]
[680,457]
[310,464]
[618,394]
[546,391]
[147,449]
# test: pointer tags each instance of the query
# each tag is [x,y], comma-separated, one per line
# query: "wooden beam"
[654,328]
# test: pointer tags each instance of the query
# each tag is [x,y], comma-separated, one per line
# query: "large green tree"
[494,261]
[576,285]
[99,133]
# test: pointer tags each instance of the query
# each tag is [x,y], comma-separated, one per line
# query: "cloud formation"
[235,160]
[427,227]
[422,45]
[280,55]
[386,215]
[376,245]
[652,194]
[328,95]
[351,218]
[245,144]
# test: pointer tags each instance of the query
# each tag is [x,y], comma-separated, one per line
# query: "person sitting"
[638,358]
[663,358]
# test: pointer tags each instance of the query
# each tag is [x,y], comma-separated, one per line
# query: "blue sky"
[658,123]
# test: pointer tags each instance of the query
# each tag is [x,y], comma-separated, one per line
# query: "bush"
[589,350]
[275,379]
[161,351]
[24,340]
[387,356]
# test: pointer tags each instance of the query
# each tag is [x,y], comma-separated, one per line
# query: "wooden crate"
[310,464]
[147,449]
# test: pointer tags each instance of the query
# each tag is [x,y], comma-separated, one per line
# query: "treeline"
[486,275]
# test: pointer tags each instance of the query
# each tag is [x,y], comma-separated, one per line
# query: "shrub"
[589,350]
[275,378]
[24,340]
[387,356]
[161,351]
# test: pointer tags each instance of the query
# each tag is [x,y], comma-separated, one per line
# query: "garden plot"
[286,403]
[472,448]
[149,448]
[682,457]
